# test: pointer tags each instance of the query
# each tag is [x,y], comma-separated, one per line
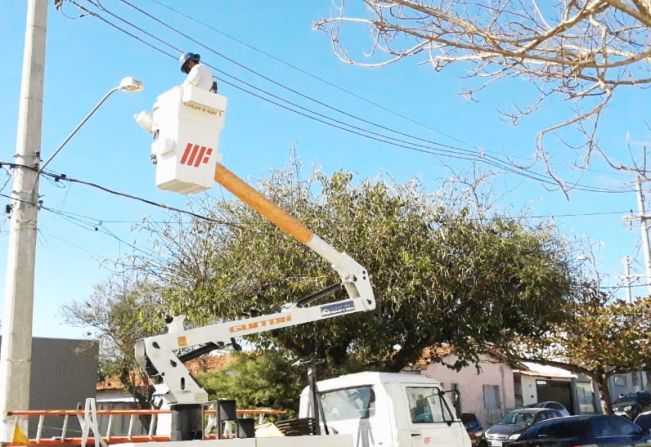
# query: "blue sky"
[85,58]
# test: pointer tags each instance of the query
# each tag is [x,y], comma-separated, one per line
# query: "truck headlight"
[628,408]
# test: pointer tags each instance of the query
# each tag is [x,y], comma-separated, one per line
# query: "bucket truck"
[367,409]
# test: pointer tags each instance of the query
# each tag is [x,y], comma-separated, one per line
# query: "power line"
[62,177]
[465,154]
[98,221]
[65,178]
[312,75]
[280,84]
[459,153]
[97,228]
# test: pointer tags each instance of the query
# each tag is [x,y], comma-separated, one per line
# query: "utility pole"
[645,233]
[628,278]
[16,352]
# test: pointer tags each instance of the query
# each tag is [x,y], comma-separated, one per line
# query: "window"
[561,429]
[492,397]
[348,403]
[426,406]
[620,380]
[623,427]
[600,427]
[645,398]
[517,386]
[585,397]
[544,415]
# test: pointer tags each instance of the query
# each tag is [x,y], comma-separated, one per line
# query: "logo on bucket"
[195,155]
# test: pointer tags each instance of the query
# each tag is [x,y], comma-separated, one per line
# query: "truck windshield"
[348,403]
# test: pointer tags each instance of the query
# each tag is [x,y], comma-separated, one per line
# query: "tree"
[602,339]
[258,381]
[115,311]
[442,271]
[580,50]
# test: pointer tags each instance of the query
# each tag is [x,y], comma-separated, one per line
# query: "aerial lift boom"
[186,123]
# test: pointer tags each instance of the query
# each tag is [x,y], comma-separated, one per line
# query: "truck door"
[352,411]
[431,419]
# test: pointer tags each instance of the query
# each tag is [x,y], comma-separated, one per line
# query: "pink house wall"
[471,386]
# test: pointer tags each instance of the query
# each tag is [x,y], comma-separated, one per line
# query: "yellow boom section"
[276,215]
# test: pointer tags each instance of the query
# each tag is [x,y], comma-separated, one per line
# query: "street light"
[15,355]
[128,84]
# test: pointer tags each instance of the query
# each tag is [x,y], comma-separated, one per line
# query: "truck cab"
[387,410]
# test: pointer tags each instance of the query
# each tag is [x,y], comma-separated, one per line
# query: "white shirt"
[199,76]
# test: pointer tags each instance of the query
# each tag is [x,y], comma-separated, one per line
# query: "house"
[487,390]
[628,383]
[539,383]
[494,386]
[63,374]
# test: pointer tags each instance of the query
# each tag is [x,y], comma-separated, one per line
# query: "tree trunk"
[604,395]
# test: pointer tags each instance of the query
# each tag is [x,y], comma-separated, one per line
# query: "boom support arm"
[158,356]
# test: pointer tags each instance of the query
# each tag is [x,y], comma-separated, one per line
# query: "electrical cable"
[65,178]
[461,153]
[468,155]
[62,177]
[96,221]
[473,154]
[280,84]
[312,75]
[98,228]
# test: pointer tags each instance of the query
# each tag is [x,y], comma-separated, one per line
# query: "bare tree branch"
[578,50]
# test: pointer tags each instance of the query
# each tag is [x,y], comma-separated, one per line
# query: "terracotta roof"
[432,354]
[436,353]
[195,366]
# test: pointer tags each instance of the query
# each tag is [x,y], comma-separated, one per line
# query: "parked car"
[632,404]
[473,426]
[600,430]
[513,423]
[644,420]
[551,404]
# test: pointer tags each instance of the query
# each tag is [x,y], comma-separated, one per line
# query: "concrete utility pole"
[16,352]
[645,233]
[628,278]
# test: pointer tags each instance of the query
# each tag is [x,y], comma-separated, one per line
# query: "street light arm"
[76,129]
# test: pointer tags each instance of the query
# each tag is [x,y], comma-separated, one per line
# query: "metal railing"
[90,433]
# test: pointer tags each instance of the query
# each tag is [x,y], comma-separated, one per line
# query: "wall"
[63,373]
[627,383]
[471,386]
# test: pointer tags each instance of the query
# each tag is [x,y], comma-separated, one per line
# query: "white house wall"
[471,386]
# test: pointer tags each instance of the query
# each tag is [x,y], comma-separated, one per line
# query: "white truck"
[387,410]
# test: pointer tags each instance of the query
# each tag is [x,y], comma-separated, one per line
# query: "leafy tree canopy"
[442,272]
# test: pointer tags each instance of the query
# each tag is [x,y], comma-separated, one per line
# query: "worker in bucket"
[199,75]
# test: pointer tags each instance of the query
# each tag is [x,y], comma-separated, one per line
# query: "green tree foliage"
[258,381]
[442,271]
[603,338]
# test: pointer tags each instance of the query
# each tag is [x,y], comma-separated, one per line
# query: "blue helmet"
[187,57]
